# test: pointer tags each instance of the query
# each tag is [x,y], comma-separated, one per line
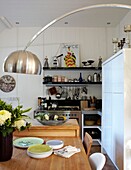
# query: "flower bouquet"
[11,119]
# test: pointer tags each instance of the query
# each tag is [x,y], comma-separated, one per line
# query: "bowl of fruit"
[50,119]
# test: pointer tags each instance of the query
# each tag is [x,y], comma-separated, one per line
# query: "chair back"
[97,161]
[87,143]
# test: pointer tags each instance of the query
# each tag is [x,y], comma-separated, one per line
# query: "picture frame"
[70,55]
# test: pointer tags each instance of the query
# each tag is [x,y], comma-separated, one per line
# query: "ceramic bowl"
[42,118]
[39,151]
[55,144]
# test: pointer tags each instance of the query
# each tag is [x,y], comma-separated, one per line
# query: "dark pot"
[6,147]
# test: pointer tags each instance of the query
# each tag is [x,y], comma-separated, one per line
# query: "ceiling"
[38,13]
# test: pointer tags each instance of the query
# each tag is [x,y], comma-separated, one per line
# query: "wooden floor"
[109,165]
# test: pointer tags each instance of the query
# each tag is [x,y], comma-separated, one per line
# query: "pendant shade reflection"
[23,62]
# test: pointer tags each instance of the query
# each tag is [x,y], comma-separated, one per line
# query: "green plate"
[39,149]
[27,141]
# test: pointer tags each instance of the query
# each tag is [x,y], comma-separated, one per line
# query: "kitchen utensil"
[98,77]
[89,78]
[47,79]
[56,62]
[59,92]
[85,90]
[52,90]
[64,93]
[84,63]
[95,77]
[90,62]
[92,102]
[84,104]
[58,95]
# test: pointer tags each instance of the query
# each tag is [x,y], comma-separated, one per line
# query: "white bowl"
[39,151]
[55,144]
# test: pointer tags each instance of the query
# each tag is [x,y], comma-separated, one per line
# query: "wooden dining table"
[21,161]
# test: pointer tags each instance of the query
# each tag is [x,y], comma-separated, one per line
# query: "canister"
[95,77]
[55,78]
[59,78]
[89,78]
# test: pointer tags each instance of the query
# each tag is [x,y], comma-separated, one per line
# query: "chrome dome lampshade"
[23,62]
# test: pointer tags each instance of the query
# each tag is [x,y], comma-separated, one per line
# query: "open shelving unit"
[94,89]
[94,130]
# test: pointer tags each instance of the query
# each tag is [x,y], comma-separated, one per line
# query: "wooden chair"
[87,143]
[97,161]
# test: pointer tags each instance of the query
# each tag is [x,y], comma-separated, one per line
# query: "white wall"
[93,42]
[28,87]
[120,34]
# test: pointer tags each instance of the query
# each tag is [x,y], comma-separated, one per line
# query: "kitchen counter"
[69,128]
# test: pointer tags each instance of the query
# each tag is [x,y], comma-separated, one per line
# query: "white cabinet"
[116,107]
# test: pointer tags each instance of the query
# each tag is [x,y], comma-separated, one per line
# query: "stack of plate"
[55,144]
[39,151]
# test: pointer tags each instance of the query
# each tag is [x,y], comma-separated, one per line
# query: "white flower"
[19,123]
[4,115]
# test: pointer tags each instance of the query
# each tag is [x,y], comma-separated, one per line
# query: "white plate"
[39,155]
[27,141]
[39,151]
[55,144]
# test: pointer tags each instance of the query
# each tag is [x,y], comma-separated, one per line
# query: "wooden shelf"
[93,126]
[72,83]
[71,68]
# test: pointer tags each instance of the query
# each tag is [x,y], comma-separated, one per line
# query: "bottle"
[80,78]
[39,101]
[44,103]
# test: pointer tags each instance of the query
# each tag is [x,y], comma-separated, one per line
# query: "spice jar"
[55,78]
[63,78]
[59,78]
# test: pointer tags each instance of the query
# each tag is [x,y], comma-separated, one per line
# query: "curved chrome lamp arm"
[73,12]
[28,63]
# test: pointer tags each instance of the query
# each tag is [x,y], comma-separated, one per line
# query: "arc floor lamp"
[26,62]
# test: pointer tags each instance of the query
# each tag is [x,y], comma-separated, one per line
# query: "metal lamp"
[28,63]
